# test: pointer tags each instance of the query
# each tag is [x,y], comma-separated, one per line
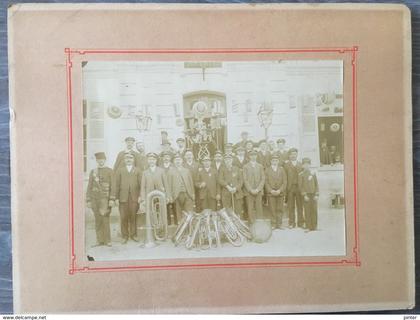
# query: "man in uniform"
[141,158]
[181,187]
[231,181]
[181,146]
[308,186]
[153,178]
[167,167]
[218,160]
[294,197]
[229,148]
[100,200]
[192,166]
[244,139]
[127,194]
[207,186]
[166,148]
[275,187]
[254,180]
[281,151]
[120,162]
[264,155]
[249,146]
[240,160]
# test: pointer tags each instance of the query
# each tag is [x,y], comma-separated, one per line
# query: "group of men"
[242,178]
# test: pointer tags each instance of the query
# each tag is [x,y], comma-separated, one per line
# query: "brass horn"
[156,218]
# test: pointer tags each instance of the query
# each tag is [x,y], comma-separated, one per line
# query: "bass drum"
[261,230]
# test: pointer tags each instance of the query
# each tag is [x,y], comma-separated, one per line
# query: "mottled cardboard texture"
[38,35]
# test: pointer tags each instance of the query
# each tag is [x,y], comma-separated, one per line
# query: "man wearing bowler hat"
[120,162]
[127,194]
[100,200]
[254,179]
[207,186]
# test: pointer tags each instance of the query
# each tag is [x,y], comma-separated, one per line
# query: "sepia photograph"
[194,159]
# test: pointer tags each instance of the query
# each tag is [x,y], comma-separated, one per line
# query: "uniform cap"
[306,160]
[152,155]
[100,155]
[129,139]
[281,140]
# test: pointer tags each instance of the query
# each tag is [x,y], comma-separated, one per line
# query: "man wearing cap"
[241,159]
[100,200]
[167,166]
[166,148]
[294,197]
[218,161]
[207,186]
[119,162]
[141,158]
[249,146]
[244,139]
[308,186]
[231,182]
[153,178]
[181,188]
[181,145]
[127,192]
[281,151]
[229,148]
[192,166]
[264,155]
[254,179]
[275,188]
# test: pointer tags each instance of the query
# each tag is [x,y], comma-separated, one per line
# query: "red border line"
[354,260]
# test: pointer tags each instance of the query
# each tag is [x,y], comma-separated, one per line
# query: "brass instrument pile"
[209,229]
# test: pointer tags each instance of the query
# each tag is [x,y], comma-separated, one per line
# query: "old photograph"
[191,159]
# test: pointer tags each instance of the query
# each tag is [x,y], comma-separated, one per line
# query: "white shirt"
[275,168]
[129,168]
[153,169]
[294,162]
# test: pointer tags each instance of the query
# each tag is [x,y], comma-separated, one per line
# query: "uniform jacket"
[101,182]
[308,183]
[175,178]
[275,180]
[233,178]
[119,162]
[254,177]
[127,184]
[153,181]
[292,173]
[212,188]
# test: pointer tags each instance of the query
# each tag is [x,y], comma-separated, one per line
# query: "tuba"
[156,218]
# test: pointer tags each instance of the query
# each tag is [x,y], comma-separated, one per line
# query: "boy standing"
[308,186]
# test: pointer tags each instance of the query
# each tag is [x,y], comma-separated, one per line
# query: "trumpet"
[156,218]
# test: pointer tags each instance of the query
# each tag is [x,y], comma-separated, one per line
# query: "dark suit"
[127,191]
[153,180]
[275,181]
[193,168]
[119,162]
[181,190]
[254,179]
[294,197]
[207,195]
[308,186]
[231,177]
[98,194]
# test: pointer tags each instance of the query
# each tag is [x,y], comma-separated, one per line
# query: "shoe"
[307,230]
[292,225]
[98,244]
[109,244]
[134,239]
[124,241]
